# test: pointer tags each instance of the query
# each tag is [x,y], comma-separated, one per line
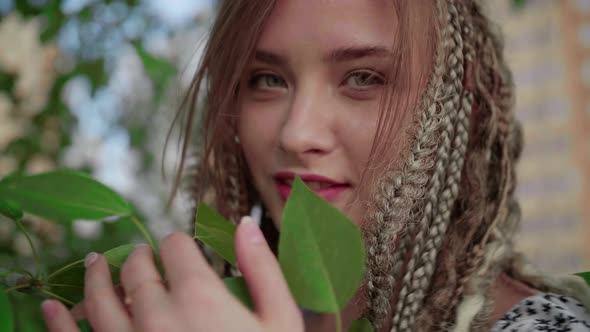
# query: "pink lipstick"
[325,187]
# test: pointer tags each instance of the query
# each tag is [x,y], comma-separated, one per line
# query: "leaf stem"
[338,321]
[19,224]
[63,285]
[17,287]
[143,231]
[55,296]
[62,269]
[16,271]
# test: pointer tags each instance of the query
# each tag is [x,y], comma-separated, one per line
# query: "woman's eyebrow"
[356,52]
[337,55]
[270,58]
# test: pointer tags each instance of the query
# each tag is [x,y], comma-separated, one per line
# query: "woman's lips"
[329,194]
[326,188]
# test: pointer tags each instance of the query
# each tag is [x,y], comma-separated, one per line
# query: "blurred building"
[548,50]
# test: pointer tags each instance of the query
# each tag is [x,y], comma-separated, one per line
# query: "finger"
[144,288]
[185,266]
[77,311]
[103,309]
[269,290]
[57,317]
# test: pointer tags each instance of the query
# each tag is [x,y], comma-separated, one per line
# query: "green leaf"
[155,67]
[585,276]
[63,196]
[238,287]
[6,319]
[117,256]
[321,252]
[216,232]
[69,280]
[84,326]
[159,70]
[361,325]
[518,4]
[10,210]
[27,314]
[7,81]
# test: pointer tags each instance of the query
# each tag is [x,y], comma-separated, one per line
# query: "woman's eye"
[364,79]
[267,81]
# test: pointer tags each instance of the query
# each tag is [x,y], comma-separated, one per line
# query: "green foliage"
[94,71]
[585,276]
[10,210]
[361,325]
[68,282]
[518,4]
[321,252]
[6,319]
[63,196]
[216,232]
[54,19]
[54,249]
[117,256]
[27,313]
[7,81]
[159,70]
[239,289]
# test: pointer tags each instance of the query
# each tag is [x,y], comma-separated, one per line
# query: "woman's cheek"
[256,134]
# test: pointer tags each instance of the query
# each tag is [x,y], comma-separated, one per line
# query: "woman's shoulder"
[545,312]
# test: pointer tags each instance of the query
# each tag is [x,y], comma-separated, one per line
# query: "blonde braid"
[501,213]
[417,277]
[237,195]
[398,193]
[237,202]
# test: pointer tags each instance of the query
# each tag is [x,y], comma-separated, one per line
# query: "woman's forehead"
[323,25]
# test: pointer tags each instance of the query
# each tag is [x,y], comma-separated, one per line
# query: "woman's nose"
[308,127]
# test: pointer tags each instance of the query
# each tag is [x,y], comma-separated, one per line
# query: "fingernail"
[90,258]
[251,230]
[137,248]
[49,309]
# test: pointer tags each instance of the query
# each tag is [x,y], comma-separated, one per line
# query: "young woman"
[400,114]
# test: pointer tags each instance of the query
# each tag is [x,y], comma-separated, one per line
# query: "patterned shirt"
[545,312]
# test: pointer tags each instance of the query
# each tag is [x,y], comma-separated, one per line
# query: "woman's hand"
[193,299]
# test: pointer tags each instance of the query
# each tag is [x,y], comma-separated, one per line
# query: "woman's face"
[309,101]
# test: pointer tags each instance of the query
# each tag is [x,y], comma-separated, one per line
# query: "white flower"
[10,127]
[35,81]
[40,164]
[176,13]
[50,140]
[20,42]
[22,246]
[7,228]
[23,54]
[5,104]
[7,165]
[88,229]
[74,6]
